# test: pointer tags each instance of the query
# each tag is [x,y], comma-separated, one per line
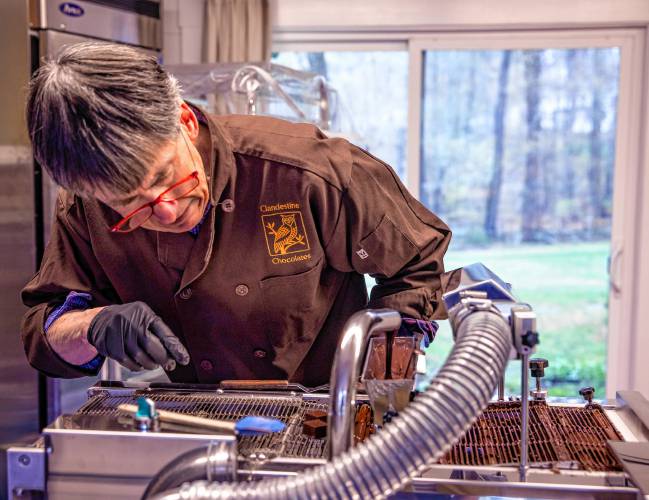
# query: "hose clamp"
[470,302]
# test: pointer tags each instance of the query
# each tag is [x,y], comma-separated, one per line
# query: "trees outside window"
[525,184]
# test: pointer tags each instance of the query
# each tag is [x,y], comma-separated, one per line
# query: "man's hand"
[134,336]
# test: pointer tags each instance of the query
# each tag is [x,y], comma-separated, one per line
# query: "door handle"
[614,270]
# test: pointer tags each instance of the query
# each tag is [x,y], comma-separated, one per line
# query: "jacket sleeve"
[68,265]
[385,232]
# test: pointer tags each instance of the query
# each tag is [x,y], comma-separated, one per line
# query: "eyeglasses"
[140,215]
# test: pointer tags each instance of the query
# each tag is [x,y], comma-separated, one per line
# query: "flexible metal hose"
[417,437]
[214,462]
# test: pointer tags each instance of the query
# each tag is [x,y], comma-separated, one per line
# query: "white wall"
[337,15]
[183,19]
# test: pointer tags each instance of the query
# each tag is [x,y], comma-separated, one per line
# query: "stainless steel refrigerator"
[31,31]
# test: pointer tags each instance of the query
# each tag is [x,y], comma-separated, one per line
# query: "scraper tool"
[249,425]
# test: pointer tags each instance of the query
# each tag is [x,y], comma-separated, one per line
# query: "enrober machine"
[447,439]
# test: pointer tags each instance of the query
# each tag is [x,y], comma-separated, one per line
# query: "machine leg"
[524,416]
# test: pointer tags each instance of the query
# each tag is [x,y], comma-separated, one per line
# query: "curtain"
[236,31]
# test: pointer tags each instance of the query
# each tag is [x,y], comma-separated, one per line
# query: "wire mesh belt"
[559,437]
[289,409]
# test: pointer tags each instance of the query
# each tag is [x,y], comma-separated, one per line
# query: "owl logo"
[285,233]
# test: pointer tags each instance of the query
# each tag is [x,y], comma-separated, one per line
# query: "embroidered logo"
[362,254]
[285,233]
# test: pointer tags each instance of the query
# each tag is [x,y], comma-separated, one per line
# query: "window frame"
[629,273]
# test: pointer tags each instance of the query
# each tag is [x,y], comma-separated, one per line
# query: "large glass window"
[517,156]
[373,90]
[516,150]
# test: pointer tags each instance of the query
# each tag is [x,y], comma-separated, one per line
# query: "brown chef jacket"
[265,288]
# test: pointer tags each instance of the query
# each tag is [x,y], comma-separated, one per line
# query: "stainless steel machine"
[452,438]
[53,25]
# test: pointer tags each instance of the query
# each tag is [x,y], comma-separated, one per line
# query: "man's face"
[175,161]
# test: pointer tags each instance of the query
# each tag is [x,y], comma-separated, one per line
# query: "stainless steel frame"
[26,469]
[102,454]
[346,372]
[112,463]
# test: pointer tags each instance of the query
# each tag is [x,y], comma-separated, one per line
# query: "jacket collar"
[218,158]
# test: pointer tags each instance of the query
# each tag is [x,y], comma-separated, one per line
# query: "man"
[218,247]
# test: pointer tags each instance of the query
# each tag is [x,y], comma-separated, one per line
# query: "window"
[368,118]
[517,156]
[528,144]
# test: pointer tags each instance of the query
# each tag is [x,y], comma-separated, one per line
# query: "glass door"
[521,144]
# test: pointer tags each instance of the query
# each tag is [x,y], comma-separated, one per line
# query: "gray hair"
[97,115]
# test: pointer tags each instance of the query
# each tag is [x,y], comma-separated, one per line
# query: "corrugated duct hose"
[418,436]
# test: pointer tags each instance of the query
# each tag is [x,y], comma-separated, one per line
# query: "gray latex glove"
[134,336]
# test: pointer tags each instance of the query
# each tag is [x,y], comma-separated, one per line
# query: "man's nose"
[166,212]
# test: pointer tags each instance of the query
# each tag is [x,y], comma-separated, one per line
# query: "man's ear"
[189,121]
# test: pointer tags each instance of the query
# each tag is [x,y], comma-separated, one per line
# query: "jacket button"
[227,205]
[185,293]
[206,365]
[241,290]
[259,353]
